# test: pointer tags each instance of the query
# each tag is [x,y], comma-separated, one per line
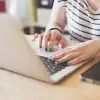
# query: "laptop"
[18,56]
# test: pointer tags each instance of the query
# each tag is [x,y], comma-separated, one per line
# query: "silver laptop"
[16,55]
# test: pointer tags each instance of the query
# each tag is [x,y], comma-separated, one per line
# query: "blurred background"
[33,15]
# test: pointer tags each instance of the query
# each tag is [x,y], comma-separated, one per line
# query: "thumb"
[35,36]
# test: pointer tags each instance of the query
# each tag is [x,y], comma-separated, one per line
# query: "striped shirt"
[82,24]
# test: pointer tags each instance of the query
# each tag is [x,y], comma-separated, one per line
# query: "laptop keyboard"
[51,66]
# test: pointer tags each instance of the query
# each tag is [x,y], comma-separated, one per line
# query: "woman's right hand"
[53,37]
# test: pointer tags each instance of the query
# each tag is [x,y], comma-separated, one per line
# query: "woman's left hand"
[97,58]
[78,53]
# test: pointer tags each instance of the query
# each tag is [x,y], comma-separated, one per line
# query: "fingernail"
[69,63]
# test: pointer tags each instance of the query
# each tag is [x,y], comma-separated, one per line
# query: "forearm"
[97,42]
[58,17]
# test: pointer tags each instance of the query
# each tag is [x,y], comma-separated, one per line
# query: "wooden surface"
[16,87]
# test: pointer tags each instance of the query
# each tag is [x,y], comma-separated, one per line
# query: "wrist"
[53,26]
[56,29]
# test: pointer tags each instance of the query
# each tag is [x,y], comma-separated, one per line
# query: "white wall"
[19,10]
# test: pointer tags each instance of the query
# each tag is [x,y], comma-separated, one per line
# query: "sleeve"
[57,13]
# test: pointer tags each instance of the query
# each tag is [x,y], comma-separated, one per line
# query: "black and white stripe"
[82,10]
[82,24]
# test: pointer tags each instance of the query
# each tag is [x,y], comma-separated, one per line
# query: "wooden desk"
[16,87]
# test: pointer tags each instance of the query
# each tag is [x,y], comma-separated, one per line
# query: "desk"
[16,87]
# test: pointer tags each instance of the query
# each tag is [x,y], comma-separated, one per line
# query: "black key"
[64,64]
[51,66]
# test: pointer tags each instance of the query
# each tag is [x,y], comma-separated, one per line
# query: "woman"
[83,20]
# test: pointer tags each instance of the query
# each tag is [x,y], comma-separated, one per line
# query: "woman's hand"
[78,53]
[52,38]
[97,58]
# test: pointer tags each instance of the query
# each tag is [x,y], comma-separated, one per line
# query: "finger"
[51,45]
[58,52]
[68,50]
[68,57]
[35,36]
[59,55]
[46,39]
[63,43]
[79,59]
[40,38]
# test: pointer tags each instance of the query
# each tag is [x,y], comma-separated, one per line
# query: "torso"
[83,23]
